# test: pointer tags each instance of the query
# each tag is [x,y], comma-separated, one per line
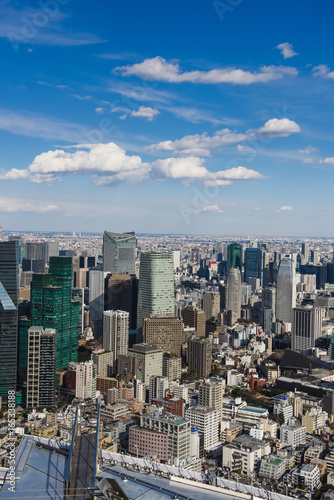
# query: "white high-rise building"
[306,327]
[285,289]
[207,421]
[156,287]
[233,291]
[116,333]
[85,380]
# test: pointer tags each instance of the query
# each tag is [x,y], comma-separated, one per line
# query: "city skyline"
[226,124]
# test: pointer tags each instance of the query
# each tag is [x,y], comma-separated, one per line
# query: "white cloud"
[286,50]
[285,208]
[158,69]
[201,144]
[99,111]
[278,128]
[329,160]
[109,164]
[145,112]
[19,205]
[182,168]
[323,71]
[211,208]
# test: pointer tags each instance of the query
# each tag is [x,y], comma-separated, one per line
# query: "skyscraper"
[285,289]
[119,252]
[211,303]
[199,356]
[41,370]
[269,298]
[52,307]
[121,293]
[156,287]
[8,316]
[233,291]
[165,333]
[255,265]
[234,256]
[306,327]
[116,333]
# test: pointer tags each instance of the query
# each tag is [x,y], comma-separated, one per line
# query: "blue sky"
[179,117]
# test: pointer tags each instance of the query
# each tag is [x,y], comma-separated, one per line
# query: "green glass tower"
[234,256]
[52,307]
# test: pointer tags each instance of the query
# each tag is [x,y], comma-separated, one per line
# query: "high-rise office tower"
[255,265]
[234,256]
[233,291]
[195,318]
[42,250]
[199,356]
[165,333]
[78,295]
[41,367]
[285,289]
[211,303]
[8,316]
[306,327]
[96,299]
[156,287]
[306,251]
[119,252]
[266,319]
[121,293]
[116,333]
[52,307]
[269,298]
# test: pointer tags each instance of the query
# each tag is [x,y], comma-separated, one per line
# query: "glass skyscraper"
[119,252]
[8,316]
[52,307]
[156,287]
[255,265]
[234,256]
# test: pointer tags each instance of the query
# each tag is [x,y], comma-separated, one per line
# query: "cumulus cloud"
[286,50]
[202,144]
[278,128]
[329,160]
[211,208]
[308,150]
[285,208]
[158,69]
[145,112]
[109,164]
[323,71]
[19,205]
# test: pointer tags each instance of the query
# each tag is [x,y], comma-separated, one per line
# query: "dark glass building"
[255,265]
[234,256]
[52,307]
[8,316]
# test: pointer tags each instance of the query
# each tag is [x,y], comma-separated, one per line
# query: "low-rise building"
[272,467]
[306,477]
